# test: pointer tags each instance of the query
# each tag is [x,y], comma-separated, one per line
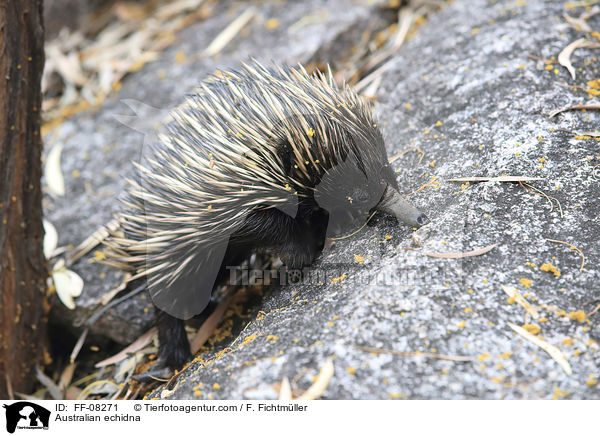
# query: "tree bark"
[23,308]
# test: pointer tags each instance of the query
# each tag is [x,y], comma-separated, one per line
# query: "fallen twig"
[460,255]
[572,108]
[416,353]
[572,247]
[496,179]
[541,193]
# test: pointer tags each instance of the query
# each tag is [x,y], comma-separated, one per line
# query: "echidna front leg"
[298,251]
[292,238]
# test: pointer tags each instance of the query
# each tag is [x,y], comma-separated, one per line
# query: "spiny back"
[227,151]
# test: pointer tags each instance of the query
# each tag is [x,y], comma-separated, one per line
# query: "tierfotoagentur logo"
[25,415]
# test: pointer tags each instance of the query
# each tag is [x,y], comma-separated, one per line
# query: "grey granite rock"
[467,93]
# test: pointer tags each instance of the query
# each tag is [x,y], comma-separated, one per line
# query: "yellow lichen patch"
[468,310]
[360,259]
[525,282]
[483,356]
[248,339]
[398,396]
[461,325]
[505,355]
[532,328]
[582,137]
[338,279]
[591,91]
[547,267]
[351,370]
[216,386]
[272,338]
[498,379]
[273,23]
[591,381]
[533,265]
[559,394]
[180,57]
[310,132]
[578,316]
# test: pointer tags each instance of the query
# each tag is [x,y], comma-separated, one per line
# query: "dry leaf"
[168,10]
[49,384]
[68,284]
[91,241]
[460,255]
[495,179]
[564,58]
[578,23]
[320,386]
[135,346]
[54,177]
[50,239]
[514,293]
[100,387]
[68,66]
[209,326]
[66,376]
[108,297]
[229,33]
[547,347]
[285,390]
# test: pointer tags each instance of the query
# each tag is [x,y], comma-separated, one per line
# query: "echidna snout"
[394,204]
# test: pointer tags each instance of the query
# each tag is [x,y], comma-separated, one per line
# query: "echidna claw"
[156,372]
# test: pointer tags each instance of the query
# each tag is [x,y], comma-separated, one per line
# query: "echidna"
[260,158]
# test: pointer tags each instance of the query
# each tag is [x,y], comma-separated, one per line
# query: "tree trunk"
[23,312]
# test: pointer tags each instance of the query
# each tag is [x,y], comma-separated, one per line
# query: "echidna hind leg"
[174,348]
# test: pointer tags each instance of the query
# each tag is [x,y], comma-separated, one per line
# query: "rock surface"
[468,94]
